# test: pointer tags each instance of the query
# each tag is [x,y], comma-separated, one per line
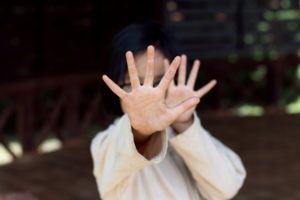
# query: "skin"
[184,90]
[152,109]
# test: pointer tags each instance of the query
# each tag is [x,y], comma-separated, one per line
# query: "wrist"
[147,145]
[180,127]
[140,137]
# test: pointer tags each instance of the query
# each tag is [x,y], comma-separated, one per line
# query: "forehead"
[141,64]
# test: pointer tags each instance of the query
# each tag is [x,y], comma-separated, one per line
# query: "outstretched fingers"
[184,106]
[166,67]
[193,74]
[169,75]
[114,87]
[150,66]
[206,88]
[133,75]
[182,71]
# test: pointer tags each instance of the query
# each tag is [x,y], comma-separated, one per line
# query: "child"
[157,148]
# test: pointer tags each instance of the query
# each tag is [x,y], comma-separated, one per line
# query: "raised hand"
[145,105]
[185,90]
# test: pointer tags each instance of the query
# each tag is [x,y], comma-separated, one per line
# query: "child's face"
[141,64]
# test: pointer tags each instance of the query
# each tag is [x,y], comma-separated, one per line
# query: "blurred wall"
[42,38]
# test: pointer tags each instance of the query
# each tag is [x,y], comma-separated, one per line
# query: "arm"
[147,116]
[116,158]
[217,170]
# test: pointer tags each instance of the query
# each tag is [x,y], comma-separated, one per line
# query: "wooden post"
[72,111]
[25,121]
[274,85]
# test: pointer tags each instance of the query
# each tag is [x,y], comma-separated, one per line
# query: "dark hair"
[135,38]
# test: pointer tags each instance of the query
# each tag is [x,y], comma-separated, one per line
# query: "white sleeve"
[116,158]
[217,170]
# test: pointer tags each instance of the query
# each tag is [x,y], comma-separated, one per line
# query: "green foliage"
[263,26]
[233,57]
[292,26]
[297,37]
[298,73]
[258,53]
[286,4]
[269,15]
[290,14]
[294,107]
[249,110]
[249,38]
[259,74]
[273,54]
[266,38]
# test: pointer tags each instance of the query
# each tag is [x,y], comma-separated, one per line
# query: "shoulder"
[101,136]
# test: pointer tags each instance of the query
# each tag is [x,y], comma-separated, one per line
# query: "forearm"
[214,166]
[115,155]
[148,145]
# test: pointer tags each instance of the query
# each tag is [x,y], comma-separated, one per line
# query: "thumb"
[184,106]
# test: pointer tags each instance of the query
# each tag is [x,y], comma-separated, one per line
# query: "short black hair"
[135,38]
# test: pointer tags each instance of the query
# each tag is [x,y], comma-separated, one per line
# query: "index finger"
[133,76]
[169,75]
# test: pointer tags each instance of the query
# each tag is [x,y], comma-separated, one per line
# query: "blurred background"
[52,53]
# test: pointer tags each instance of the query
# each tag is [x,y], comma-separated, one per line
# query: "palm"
[148,103]
[145,104]
[182,91]
[177,94]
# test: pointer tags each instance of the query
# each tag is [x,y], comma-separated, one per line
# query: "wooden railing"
[66,106]
[63,106]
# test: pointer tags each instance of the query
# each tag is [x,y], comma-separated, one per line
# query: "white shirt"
[190,166]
